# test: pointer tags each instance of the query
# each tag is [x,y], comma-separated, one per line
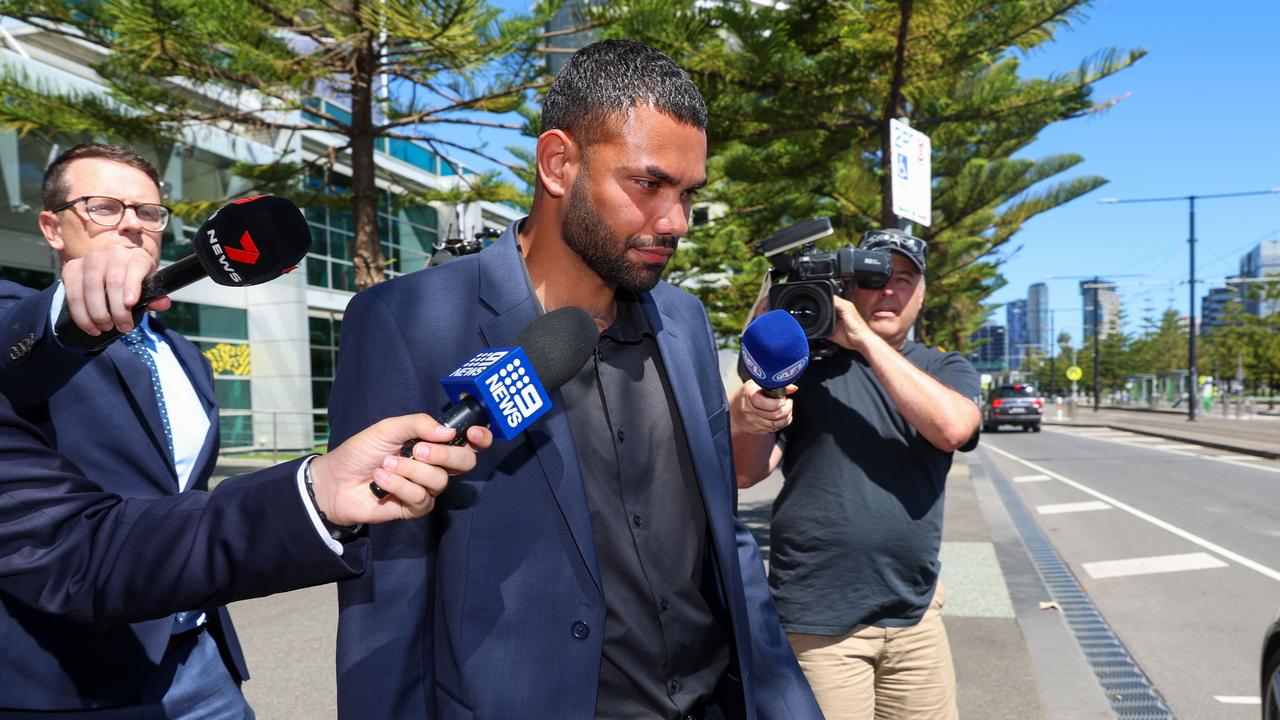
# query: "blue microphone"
[775,351]
[507,388]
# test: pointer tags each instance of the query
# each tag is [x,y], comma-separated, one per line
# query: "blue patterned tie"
[136,341]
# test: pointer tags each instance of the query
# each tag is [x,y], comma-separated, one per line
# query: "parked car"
[1013,405]
[1271,673]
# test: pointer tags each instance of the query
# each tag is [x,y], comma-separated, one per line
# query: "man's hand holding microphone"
[775,352]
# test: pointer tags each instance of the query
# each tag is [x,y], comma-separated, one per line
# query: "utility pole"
[1192,385]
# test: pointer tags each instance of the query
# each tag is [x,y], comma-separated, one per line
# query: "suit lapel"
[136,379]
[505,291]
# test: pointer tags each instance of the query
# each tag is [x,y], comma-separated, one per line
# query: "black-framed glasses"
[109,211]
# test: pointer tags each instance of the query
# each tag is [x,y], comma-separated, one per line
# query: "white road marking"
[1211,547]
[1238,699]
[1256,463]
[1074,507]
[1030,478]
[1151,565]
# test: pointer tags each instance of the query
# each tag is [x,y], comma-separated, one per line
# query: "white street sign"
[912,173]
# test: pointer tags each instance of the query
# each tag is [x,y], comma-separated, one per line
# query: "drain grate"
[1128,690]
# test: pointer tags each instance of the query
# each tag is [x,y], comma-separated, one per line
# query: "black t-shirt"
[858,524]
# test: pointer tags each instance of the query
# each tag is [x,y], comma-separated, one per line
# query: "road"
[1178,547]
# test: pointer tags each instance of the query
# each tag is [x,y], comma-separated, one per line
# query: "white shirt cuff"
[334,545]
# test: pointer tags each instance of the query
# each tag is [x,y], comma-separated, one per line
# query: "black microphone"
[246,242]
[497,388]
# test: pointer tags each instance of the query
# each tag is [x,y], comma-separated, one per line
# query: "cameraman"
[865,447]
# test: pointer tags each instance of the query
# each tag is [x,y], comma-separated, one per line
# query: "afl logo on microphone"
[792,371]
[753,367]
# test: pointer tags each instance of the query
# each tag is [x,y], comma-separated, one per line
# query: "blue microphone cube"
[503,380]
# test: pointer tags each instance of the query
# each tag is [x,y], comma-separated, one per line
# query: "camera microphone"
[245,242]
[507,389]
[775,351]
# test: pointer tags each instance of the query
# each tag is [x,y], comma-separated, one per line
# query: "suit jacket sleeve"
[69,548]
[384,662]
[33,364]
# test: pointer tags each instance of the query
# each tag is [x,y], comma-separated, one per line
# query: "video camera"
[804,282]
[452,248]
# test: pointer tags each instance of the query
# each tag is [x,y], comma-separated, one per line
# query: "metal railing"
[273,433]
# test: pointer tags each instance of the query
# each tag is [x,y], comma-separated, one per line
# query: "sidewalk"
[1014,661]
[1256,435]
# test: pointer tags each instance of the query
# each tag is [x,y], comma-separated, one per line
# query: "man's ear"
[558,159]
[51,228]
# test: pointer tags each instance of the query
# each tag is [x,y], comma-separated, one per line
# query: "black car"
[1271,673]
[1013,405]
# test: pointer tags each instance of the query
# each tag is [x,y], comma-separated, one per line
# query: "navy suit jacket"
[100,412]
[63,539]
[492,605]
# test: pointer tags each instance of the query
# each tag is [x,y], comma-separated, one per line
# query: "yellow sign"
[1074,373]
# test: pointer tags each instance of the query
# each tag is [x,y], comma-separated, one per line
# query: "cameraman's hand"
[754,412]
[851,331]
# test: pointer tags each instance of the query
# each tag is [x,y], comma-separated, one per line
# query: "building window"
[325,329]
[408,236]
[222,334]
[36,279]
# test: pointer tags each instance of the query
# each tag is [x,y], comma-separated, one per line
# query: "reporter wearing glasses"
[874,426]
[139,418]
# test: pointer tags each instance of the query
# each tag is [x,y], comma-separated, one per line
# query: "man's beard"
[587,233]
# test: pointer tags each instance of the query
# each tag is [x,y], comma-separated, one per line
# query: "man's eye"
[646,184]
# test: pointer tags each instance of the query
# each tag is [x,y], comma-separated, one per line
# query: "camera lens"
[809,302]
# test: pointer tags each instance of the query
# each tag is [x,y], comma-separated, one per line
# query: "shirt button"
[637,521]
[621,436]
[664,605]
[673,685]
[581,630]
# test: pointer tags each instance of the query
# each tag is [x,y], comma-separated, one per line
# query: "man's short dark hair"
[53,190]
[602,82]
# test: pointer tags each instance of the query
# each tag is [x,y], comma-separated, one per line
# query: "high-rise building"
[1038,316]
[1101,305]
[1016,333]
[1261,261]
[990,352]
[570,16]
[1213,308]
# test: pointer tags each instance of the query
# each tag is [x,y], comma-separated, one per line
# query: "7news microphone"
[246,242]
[775,351]
[506,389]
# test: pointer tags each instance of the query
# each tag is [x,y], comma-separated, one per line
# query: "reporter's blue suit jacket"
[101,413]
[471,611]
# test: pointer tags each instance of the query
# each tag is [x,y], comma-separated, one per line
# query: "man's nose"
[675,221]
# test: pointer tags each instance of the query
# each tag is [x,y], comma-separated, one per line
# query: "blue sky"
[1200,115]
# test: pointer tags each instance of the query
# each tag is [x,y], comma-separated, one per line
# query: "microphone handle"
[160,283]
[467,413]
[774,392]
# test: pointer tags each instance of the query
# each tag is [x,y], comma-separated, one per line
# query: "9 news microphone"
[507,389]
[775,351]
[246,242]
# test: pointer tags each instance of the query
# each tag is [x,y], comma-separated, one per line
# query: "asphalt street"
[1177,545]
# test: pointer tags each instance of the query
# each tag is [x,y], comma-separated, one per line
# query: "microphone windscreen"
[252,240]
[774,349]
[558,344]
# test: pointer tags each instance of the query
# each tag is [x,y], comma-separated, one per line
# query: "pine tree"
[800,98]
[397,68]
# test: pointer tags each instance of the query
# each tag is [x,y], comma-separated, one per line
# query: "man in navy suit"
[140,419]
[593,567]
[257,534]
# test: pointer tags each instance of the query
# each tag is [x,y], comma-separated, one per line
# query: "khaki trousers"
[883,673]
